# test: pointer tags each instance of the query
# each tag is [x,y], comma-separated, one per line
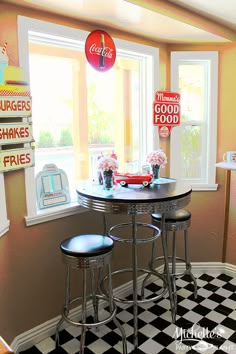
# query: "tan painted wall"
[31,271]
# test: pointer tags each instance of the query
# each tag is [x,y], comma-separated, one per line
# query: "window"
[4,222]
[79,113]
[193,144]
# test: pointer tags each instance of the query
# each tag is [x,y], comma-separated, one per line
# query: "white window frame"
[25,25]
[4,222]
[210,143]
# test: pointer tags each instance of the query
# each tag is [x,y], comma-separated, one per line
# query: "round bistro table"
[166,196]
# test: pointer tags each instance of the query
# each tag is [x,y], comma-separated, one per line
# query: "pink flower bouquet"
[107,163]
[157,157]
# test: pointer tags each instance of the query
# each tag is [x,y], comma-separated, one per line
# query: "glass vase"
[107,180]
[156,169]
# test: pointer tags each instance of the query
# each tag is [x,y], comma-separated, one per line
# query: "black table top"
[168,189]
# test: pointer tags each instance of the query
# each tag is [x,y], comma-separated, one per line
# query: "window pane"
[192,89]
[191,153]
[80,113]
[53,113]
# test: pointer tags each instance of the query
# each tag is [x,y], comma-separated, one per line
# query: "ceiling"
[170,21]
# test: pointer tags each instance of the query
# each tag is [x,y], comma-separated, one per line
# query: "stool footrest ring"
[157,232]
[89,325]
[145,271]
[187,270]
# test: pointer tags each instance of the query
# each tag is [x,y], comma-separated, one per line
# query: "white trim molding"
[47,329]
[4,222]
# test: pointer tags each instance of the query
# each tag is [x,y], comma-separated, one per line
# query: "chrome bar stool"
[178,220]
[93,253]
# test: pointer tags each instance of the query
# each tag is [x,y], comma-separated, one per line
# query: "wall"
[31,271]
[226,138]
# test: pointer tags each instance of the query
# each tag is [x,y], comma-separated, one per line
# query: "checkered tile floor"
[206,325]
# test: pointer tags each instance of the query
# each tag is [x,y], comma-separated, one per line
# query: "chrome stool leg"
[94,291]
[166,270]
[188,264]
[173,272]
[147,277]
[175,221]
[84,303]
[111,302]
[67,304]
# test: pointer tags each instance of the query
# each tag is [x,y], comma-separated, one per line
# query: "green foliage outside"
[100,126]
[65,138]
[100,123]
[45,139]
[191,152]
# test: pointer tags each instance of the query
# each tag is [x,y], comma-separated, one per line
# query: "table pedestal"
[135,241]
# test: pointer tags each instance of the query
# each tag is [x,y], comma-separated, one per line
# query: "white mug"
[229,156]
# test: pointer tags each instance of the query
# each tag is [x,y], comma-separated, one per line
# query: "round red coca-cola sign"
[100,50]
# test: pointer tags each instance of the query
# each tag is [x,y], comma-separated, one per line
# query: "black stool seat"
[86,245]
[174,216]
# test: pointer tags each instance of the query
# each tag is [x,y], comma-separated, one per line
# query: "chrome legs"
[188,264]
[94,296]
[166,265]
[134,242]
[173,275]
[83,320]
[135,276]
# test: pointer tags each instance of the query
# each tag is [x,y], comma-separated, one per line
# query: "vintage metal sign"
[15,133]
[15,159]
[166,111]
[52,187]
[13,106]
[100,50]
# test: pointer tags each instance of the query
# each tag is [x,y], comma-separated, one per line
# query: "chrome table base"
[135,241]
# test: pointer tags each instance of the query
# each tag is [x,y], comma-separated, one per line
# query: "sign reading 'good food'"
[166,111]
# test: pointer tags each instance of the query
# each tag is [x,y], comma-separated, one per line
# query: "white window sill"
[54,213]
[4,228]
[204,187]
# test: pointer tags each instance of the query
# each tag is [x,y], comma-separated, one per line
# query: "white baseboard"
[35,335]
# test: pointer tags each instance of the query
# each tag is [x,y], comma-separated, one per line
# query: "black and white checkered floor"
[206,325]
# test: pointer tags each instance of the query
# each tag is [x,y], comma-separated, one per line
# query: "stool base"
[95,297]
[171,226]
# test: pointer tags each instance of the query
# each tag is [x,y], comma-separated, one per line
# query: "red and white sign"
[15,133]
[16,158]
[15,106]
[100,50]
[166,111]
[164,131]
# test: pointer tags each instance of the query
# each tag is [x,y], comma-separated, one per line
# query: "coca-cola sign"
[100,50]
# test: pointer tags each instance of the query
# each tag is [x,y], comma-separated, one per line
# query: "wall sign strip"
[15,159]
[15,133]
[11,106]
